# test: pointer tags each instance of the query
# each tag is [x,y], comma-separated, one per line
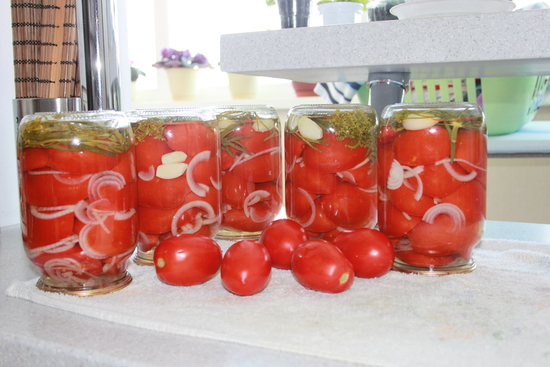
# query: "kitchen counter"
[479,45]
[33,334]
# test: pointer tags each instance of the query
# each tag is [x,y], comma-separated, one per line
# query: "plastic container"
[330,165]
[340,12]
[509,103]
[78,199]
[178,170]
[251,169]
[432,165]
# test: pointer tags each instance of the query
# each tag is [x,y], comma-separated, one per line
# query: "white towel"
[498,315]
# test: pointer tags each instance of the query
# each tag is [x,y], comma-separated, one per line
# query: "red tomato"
[280,239]
[471,149]
[149,153]
[45,189]
[321,266]
[349,206]
[262,168]
[387,135]
[311,180]
[364,176]
[470,198]
[294,147]
[404,200]
[392,222]
[33,158]
[421,147]
[425,261]
[127,165]
[246,268]
[162,193]
[297,203]
[206,171]
[45,227]
[444,237]
[114,237]
[256,141]
[384,161]
[191,138]
[334,155]
[187,259]
[227,160]
[158,221]
[235,189]
[146,242]
[237,219]
[73,262]
[370,251]
[80,162]
[438,182]
[321,223]
[274,198]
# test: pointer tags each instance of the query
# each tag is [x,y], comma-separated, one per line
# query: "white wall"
[9,194]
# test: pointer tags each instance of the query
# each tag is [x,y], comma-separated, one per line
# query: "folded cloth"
[498,315]
[337,93]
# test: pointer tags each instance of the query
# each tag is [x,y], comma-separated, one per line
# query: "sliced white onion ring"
[312,206]
[47,213]
[453,211]
[253,198]
[396,176]
[208,218]
[149,175]
[196,188]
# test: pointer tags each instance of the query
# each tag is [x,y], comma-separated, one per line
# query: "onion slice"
[253,198]
[193,185]
[396,176]
[149,175]
[51,212]
[311,204]
[453,211]
[208,218]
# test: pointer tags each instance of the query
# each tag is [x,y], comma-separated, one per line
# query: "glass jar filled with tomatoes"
[330,162]
[178,175]
[78,199]
[432,164]
[251,169]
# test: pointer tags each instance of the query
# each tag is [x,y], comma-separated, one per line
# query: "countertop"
[479,45]
[31,334]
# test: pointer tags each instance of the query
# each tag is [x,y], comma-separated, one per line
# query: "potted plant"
[340,11]
[286,12]
[182,68]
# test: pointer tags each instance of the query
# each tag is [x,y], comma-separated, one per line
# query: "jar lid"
[319,110]
[164,115]
[243,112]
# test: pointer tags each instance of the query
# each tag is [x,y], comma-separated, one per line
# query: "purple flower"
[172,58]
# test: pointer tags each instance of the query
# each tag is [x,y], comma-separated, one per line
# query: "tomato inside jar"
[78,199]
[178,175]
[432,176]
[330,165]
[251,172]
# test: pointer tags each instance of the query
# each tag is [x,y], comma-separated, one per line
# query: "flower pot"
[183,83]
[304,89]
[339,12]
[242,86]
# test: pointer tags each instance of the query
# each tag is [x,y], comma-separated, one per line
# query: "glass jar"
[251,169]
[78,199]
[432,165]
[330,162]
[178,170]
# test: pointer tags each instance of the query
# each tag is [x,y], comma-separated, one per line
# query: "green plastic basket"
[508,103]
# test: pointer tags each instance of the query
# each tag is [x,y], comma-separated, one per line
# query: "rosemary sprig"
[75,136]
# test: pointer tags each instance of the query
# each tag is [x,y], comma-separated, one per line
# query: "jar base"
[232,235]
[460,268]
[86,291]
[144,258]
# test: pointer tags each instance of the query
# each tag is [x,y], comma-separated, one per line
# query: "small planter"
[183,83]
[242,86]
[304,89]
[339,12]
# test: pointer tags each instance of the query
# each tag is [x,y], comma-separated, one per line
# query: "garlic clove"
[222,124]
[263,125]
[416,122]
[171,170]
[309,128]
[174,157]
